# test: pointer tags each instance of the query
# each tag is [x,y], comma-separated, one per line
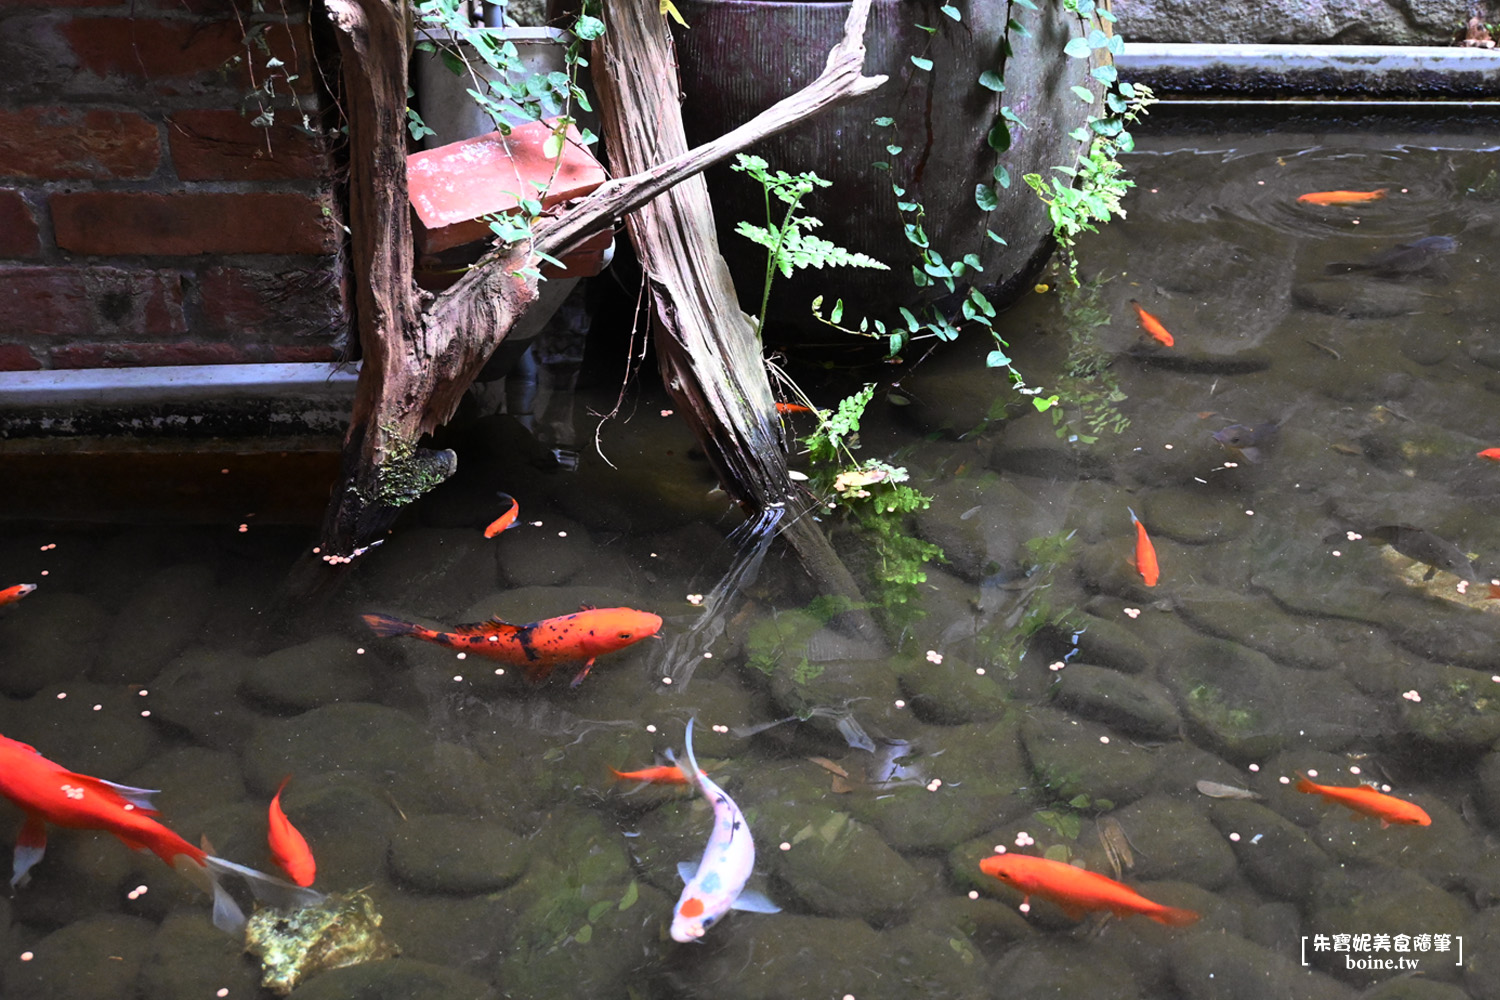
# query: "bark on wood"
[417,366]
[710,356]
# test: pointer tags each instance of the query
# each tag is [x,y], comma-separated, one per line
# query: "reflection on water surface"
[1304,459]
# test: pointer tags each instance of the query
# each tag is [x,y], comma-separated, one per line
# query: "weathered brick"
[57,143]
[271,306]
[303,355]
[126,222]
[184,56]
[214,145]
[17,358]
[18,231]
[133,355]
[96,302]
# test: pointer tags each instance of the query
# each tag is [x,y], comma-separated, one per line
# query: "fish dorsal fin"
[138,798]
[588,607]
[686,870]
[494,626]
[754,902]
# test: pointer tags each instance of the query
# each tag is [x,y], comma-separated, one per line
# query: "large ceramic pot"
[740,56]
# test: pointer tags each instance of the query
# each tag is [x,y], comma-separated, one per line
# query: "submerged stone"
[1175,841]
[1387,901]
[1279,858]
[294,945]
[1126,703]
[1215,967]
[838,866]
[1072,758]
[453,854]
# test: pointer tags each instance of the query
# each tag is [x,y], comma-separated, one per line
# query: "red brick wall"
[145,217]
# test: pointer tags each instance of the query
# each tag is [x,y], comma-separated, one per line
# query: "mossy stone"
[1128,704]
[1072,757]
[454,854]
[1384,901]
[1276,855]
[1177,842]
[838,866]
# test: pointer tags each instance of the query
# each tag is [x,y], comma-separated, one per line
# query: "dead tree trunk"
[417,365]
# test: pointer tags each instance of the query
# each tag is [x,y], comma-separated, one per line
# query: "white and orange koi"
[716,884]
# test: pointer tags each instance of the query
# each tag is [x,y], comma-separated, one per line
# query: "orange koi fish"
[505,520]
[1493,454]
[666,774]
[1152,325]
[47,792]
[1076,891]
[288,847]
[1145,553]
[792,408]
[540,646]
[1364,799]
[1342,197]
[11,595]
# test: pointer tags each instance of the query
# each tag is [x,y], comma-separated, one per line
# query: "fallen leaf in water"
[829,765]
[1344,449]
[1116,845]
[841,786]
[1214,790]
[1205,414]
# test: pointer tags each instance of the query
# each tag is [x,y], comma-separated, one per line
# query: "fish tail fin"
[1173,916]
[31,844]
[1133,518]
[268,889]
[1304,784]
[386,626]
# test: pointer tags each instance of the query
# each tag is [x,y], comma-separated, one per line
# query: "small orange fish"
[792,408]
[1145,553]
[539,647]
[288,847]
[1364,799]
[1342,197]
[1493,454]
[666,774]
[11,595]
[505,520]
[1152,325]
[1076,891]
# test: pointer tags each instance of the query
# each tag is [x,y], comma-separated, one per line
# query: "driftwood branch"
[417,365]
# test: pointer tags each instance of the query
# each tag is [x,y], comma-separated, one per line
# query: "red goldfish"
[669,774]
[540,646]
[1145,553]
[1342,197]
[288,847]
[1364,799]
[1076,891]
[792,408]
[11,595]
[1493,454]
[1152,325]
[505,520]
[47,792]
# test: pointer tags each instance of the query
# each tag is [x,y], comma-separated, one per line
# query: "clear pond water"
[1323,607]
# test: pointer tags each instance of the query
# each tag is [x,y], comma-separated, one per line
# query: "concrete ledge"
[277,407]
[1346,72]
[178,383]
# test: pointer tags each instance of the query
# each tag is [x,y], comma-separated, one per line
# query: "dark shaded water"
[1046,701]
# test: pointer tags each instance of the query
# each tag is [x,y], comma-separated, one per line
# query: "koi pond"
[1305,465]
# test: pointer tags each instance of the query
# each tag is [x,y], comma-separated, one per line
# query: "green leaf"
[1078,48]
[893,150]
[1126,142]
[885,122]
[553,146]
[990,80]
[1084,94]
[1002,176]
[1017,27]
[999,137]
[952,12]
[588,28]
[984,197]
[1127,88]
[996,359]
[585,934]
[838,311]
[921,63]
[1106,75]
[1097,39]
[911,321]
[632,893]
[1116,103]
[600,908]
[996,237]
[973,261]
[1116,45]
